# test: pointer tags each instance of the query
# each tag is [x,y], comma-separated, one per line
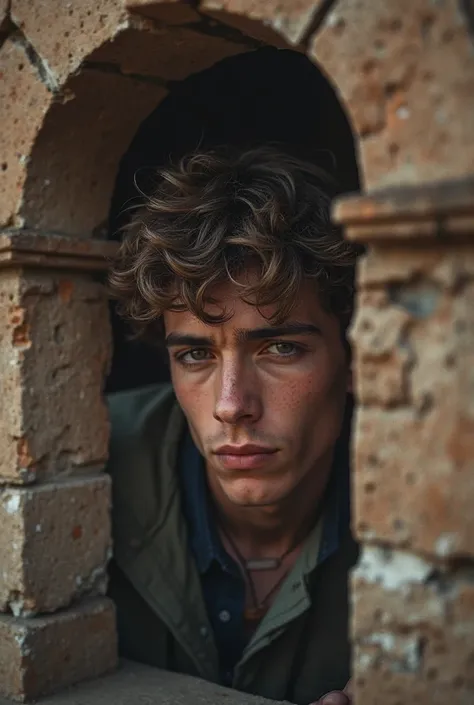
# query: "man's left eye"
[283,349]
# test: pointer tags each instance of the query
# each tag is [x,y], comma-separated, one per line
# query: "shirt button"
[224,616]
[204,631]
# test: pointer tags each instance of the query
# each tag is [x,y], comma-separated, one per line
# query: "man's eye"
[283,349]
[195,355]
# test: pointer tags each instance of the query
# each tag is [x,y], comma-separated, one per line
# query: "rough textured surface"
[166,11]
[406,72]
[292,20]
[413,629]
[67,523]
[4,5]
[21,93]
[135,684]
[414,358]
[28,248]
[75,159]
[39,656]
[54,352]
[74,29]
[159,52]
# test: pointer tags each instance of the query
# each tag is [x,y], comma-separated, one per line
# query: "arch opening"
[267,95]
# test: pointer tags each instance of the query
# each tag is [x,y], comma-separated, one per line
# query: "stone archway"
[406,76]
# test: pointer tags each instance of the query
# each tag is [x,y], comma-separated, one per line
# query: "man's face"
[264,404]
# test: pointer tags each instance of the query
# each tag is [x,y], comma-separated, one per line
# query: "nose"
[237,394]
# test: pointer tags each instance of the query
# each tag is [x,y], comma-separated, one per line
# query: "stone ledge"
[441,212]
[26,248]
[134,683]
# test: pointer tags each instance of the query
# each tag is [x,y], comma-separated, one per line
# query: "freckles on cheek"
[289,395]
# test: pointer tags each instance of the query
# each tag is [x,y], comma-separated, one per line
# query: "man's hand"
[337,697]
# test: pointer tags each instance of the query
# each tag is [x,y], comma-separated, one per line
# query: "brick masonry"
[413,340]
[39,656]
[54,353]
[67,523]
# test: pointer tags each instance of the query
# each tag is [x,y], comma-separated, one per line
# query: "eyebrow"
[244,335]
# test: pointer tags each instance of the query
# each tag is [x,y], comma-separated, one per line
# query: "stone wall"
[76,81]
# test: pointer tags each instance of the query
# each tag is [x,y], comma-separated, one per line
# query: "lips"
[246,457]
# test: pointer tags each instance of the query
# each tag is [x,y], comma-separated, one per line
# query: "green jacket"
[300,650]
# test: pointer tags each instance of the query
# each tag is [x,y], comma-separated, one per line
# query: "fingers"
[348,690]
[335,698]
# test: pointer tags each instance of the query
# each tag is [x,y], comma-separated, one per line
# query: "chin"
[253,493]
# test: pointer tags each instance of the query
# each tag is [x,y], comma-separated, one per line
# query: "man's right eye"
[190,357]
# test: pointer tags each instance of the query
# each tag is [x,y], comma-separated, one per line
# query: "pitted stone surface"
[64,33]
[413,630]
[54,354]
[158,51]
[21,93]
[288,18]
[75,160]
[169,12]
[134,683]
[42,655]
[54,544]
[414,362]
[406,73]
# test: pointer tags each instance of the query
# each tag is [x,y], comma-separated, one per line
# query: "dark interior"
[268,95]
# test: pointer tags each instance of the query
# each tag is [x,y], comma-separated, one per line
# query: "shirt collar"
[205,541]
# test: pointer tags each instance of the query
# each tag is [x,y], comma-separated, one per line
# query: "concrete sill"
[135,684]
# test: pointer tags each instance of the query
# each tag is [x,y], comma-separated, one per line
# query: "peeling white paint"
[38,528]
[385,640]
[20,636]
[391,569]
[17,607]
[445,545]
[403,652]
[403,112]
[365,661]
[11,503]
[412,653]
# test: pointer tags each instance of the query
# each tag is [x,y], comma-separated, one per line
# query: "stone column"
[56,626]
[413,481]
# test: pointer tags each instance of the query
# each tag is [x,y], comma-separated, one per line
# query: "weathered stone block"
[54,543]
[21,93]
[73,31]
[158,51]
[4,8]
[54,353]
[414,362]
[167,11]
[42,655]
[406,73]
[74,164]
[292,20]
[413,631]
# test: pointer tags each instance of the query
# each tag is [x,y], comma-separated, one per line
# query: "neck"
[272,530]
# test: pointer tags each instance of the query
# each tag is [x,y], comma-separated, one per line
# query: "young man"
[231,517]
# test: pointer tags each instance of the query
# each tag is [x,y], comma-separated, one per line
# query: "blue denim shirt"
[221,579]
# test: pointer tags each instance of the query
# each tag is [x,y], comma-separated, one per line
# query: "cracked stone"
[411,66]
[54,354]
[41,655]
[65,522]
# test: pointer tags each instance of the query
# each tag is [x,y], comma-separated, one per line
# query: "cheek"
[194,399]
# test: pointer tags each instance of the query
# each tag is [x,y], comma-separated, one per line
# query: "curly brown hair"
[214,215]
